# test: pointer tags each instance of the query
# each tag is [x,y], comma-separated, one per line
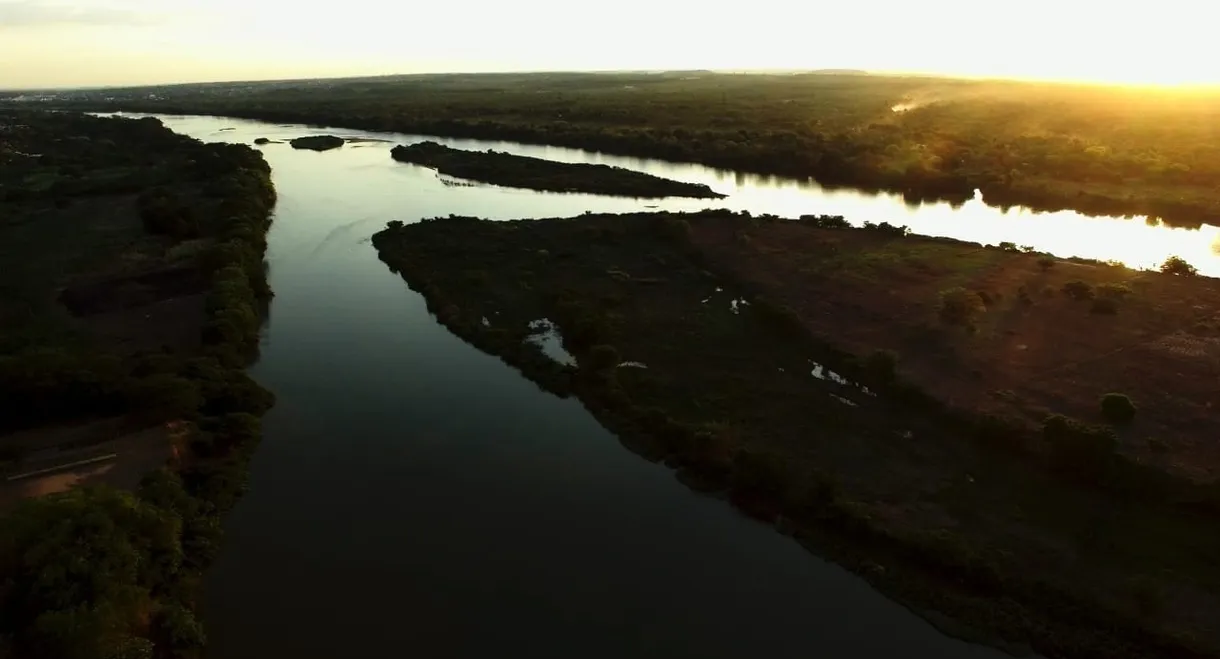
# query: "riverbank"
[1093,149]
[545,175]
[143,318]
[695,369]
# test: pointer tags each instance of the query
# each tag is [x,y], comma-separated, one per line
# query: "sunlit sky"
[50,43]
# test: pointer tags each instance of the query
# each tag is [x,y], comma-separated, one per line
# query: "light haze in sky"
[54,43]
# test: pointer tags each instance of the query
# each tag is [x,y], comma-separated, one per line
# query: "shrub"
[780,318]
[825,221]
[166,396]
[1079,446]
[997,431]
[232,429]
[756,472]
[1117,408]
[603,357]
[1023,296]
[1046,263]
[959,306]
[1113,291]
[163,213]
[676,230]
[177,630]
[882,367]
[1176,265]
[1147,594]
[1078,290]
[888,229]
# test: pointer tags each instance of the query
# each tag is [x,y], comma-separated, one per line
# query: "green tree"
[1176,265]
[960,307]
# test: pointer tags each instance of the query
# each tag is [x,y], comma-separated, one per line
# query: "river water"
[415,497]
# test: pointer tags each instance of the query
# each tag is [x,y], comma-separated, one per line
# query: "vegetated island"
[539,174]
[132,298]
[1048,146]
[316,142]
[897,403]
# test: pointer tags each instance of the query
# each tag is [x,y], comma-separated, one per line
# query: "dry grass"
[1024,359]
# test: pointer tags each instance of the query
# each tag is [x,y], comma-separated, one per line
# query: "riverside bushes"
[99,573]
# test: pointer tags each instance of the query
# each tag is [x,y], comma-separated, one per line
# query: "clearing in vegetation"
[712,341]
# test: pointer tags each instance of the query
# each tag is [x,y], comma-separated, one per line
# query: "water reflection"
[415,496]
[1137,242]
[545,335]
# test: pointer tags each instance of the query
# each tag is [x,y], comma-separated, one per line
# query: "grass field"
[1100,150]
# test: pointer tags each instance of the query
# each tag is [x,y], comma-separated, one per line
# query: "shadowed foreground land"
[547,175]
[693,341]
[134,280]
[1098,150]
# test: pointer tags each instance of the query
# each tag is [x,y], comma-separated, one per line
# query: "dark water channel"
[416,498]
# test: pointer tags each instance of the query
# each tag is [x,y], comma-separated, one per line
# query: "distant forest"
[1100,150]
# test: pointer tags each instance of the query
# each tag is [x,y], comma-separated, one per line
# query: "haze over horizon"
[92,43]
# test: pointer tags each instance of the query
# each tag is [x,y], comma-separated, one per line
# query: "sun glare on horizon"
[137,41]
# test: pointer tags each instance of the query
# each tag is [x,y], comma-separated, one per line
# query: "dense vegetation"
[1095,149]
[538,174]
[695,355]
[96,572]
[316,142]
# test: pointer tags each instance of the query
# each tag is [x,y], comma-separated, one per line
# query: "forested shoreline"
[97,571]
[1097,150]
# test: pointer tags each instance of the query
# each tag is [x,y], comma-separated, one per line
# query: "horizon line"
[845,71]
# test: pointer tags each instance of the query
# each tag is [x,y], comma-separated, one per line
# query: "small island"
[982,432]
[317,142]
[514,171]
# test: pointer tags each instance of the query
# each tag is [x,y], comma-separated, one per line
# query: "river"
[415,497]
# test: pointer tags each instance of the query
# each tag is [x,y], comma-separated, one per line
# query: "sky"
[59,43]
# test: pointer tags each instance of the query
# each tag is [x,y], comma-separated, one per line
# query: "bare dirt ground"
[40,473]
[1031,354]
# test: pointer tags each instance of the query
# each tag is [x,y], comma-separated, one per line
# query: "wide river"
[414,497]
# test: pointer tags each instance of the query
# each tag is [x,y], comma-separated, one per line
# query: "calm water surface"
[414,497]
